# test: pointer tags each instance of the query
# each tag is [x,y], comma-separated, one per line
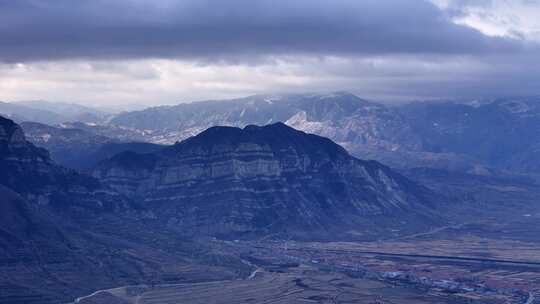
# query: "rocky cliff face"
[29,171]
[261,179]
[13,143]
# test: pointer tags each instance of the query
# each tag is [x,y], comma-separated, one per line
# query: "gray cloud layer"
[234,29]
[123,51]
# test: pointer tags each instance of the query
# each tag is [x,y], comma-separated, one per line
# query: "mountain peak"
[261,179]
[278,137]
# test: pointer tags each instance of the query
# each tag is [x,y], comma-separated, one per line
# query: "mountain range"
[473,137]
[226,181]
[476,137]
[52,112]
[65,234]
[90,205]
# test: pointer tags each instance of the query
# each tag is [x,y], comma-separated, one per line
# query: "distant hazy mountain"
[502,133]
[70,111]
[342,116]
[78,148]
[118,133]
[272,179]
[51,113]
[368,130]
[475,136]
[68,146]
[463,136]
[21,113]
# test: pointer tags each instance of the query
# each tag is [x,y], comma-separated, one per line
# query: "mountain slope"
[29,171]
[15,219]
[64,234]
[501,134]
[273,179]
[48,258]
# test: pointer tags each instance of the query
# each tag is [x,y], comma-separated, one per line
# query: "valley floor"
[303,284]
[471,263]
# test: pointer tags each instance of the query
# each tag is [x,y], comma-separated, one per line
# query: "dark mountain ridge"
[271,179]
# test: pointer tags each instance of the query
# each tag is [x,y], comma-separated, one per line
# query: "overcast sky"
[171,51]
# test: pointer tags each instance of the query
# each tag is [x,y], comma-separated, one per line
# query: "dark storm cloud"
[233,29]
